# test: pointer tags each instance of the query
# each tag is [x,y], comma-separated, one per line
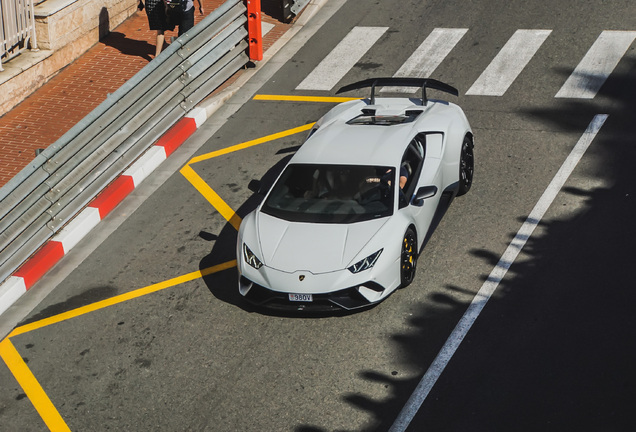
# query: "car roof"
[337,142]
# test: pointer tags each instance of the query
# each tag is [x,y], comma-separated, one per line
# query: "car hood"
[316,248]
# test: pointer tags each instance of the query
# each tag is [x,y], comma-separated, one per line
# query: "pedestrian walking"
[187,17]
[157,20]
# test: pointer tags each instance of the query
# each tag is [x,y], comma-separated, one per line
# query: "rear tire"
[466,166]
[408,260]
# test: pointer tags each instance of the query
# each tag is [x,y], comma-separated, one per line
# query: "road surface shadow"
[552,350]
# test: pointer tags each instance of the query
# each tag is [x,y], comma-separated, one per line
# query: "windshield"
[332,193]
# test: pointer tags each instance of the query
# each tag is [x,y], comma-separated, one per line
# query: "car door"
[423,157]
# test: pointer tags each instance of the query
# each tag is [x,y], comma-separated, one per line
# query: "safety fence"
[61,180]
[17,28]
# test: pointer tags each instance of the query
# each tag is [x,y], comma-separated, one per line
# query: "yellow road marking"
[31,387]
[286,98]
[208,193]
[250,143]
[14,361]
[25,377]
[212,197]
[121,298]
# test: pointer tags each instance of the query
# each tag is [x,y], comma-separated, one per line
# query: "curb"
[61,243]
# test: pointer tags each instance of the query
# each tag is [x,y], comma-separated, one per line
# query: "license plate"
[301,297]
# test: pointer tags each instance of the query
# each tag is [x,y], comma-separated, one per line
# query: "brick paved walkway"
[62,102]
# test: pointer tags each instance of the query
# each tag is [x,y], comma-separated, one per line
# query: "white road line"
[597,65]
[428,56]
[508,64]
[342,58]
[496,276]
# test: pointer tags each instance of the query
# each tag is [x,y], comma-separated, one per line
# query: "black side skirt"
[444,203]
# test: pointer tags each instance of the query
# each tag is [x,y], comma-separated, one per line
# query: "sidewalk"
[62,102]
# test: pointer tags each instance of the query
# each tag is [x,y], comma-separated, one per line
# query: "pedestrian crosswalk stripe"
[584,83]
[508,64]
[428,56]
[343,57]
[597,65]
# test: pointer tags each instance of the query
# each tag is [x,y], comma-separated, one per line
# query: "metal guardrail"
[65,177]
[17,28]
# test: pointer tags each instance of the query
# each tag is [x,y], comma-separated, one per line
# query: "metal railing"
[17,28]
[65,177]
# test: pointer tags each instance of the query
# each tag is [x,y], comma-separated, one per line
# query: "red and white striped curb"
[61,243]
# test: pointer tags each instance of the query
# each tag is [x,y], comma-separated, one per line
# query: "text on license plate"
[301,297]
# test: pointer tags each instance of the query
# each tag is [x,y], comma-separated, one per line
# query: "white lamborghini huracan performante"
[343,225]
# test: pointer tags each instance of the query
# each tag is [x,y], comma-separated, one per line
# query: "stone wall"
[65,30]
[61,22]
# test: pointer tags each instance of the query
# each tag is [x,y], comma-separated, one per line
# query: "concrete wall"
[65,30]
[61,22]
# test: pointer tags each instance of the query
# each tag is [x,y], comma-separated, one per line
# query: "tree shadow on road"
[553,348]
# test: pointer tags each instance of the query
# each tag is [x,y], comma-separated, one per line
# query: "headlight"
[366,263]
[250,258]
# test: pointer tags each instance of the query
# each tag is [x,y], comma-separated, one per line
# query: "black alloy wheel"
[466,166]
[408,262]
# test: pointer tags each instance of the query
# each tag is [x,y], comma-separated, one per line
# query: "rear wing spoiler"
[424,83]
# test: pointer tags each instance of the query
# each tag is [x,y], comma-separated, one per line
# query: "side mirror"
[254,186]
[258,187]
[423,193]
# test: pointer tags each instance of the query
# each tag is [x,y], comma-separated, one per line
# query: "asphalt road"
[551,350]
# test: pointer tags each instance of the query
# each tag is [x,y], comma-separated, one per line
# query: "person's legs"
[160,40]
[187,21]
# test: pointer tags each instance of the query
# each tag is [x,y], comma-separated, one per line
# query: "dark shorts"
[187,21]
[157,20]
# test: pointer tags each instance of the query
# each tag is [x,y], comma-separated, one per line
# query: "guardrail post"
[254,30]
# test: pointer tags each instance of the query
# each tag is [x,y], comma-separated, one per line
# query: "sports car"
[344,223]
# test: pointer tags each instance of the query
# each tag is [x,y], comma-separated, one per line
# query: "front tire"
[408,261]
[466,166]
